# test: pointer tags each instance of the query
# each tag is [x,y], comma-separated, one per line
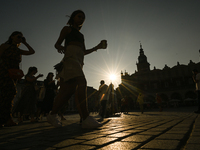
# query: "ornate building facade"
[173,83]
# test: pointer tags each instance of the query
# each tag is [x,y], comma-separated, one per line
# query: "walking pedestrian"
[26,105]
[140,101]
[196,78]
[10,57]
[71,75]
[125,104]
[50,93]
[159,101]
[104,93]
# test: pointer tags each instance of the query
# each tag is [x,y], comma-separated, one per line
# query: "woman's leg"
[142,108]
[7,94]
[78,106]
[103,104]
[67,89]
[88,121]
[82,97]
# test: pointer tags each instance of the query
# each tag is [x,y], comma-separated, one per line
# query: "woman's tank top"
[74,36]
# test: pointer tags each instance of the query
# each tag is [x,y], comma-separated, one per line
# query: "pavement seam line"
[150,139]
[189,134]
[140,145]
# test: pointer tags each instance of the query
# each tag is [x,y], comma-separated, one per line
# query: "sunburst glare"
[112,77]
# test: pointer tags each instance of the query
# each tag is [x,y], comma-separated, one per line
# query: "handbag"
[15,73]
[58,67]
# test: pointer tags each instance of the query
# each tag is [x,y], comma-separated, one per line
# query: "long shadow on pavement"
[42,135]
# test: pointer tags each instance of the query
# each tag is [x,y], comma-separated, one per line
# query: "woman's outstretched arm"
[99,46]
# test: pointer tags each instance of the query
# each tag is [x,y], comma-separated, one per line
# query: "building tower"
[142,65]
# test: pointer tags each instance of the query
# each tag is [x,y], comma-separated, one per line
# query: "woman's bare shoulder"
[4,46]
[66,29]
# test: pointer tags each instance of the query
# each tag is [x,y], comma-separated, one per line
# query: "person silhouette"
[10,55]
[159,101]
[140,100]
[196,78]
[51,88]
[104,93]
[28,100]
[72,78]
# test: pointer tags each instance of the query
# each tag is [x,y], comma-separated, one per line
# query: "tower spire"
[140,45]
[142,64]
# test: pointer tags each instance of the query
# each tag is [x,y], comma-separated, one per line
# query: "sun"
[112,77]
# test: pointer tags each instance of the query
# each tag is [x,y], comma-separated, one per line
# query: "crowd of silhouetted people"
[69,72]
[51,99]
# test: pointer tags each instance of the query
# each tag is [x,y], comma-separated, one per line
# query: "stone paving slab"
[168,130]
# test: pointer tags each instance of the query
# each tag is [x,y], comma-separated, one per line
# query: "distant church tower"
[142,65]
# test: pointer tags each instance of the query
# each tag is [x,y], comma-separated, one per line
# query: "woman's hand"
[102,45]
[23,40]
[40,75]
[62,51]
[30,49]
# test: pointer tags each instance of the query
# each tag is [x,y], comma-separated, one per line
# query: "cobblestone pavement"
[172,129]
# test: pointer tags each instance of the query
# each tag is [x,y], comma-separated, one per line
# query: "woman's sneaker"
[53,120]
[90,123]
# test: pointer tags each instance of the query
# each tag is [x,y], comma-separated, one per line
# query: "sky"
[169,31]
